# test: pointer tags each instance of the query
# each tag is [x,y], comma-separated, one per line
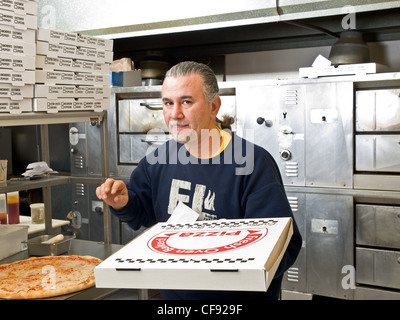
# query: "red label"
[205,242]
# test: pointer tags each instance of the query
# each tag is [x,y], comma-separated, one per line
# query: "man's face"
[186,110]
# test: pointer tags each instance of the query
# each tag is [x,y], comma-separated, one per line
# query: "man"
[215,172]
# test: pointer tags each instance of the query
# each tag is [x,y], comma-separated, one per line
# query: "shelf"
[21,185]
[38,118]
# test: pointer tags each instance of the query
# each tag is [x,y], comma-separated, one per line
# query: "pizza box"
[16,63]
[69,104]
[74,39]
[72,78]
[15,106]
[17,78]
[20,6]
[239,254]
[18,21]
[70,91]
[12,34]
[16,93]
[67,64]
[73,52]
[341,70]
[18,48]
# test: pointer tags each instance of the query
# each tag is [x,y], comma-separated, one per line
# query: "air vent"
[293,274]
[78,162]
[292,169]
[294,203]
[80,189]
[291,97]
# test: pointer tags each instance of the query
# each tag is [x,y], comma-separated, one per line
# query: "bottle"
[13,207]
[3,209]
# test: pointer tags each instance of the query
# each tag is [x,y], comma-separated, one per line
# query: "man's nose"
[176,111]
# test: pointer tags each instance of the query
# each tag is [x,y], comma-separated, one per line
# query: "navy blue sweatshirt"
[242,182]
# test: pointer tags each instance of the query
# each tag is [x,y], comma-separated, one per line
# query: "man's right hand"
[114,193]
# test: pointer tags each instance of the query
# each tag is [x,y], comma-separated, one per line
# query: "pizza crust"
[49,276]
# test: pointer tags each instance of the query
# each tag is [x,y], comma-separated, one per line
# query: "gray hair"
[209,79]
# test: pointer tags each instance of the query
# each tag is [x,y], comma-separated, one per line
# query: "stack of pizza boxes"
[18,24]
[72,72]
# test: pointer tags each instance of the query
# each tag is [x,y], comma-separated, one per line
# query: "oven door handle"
[152,105]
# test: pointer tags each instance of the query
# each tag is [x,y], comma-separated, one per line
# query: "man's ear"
[215,105]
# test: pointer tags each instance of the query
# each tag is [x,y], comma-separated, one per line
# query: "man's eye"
[186,102]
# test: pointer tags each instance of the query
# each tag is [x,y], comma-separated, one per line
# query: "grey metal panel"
[378,110]
[79,155]
[93,134]
[378,153]
[329,242]
[283,108]
[367,293]
[378,267]
[378,226]
[291,133]
[295,278]
[329,135]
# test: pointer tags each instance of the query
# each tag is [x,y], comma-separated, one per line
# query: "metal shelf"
[44,119]
[39,118]
[47,181]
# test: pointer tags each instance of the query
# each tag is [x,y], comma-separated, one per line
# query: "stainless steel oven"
[336,141]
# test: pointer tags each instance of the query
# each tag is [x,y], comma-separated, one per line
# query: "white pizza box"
[74,39]
[341,70]
[15,106]
[18,48]
[12,34]
[16,63]
[20,6]
[54,106]
[70,91]
[67,64]
[240,254]
[72,78]
[73,52]
[16,93]
[17,78]
[18,21]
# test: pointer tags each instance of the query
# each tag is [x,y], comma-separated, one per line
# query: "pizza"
[48,276]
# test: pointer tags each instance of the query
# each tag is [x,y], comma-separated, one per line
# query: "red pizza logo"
[204,241]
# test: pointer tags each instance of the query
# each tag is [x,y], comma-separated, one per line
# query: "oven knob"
[261,120]
[286,155]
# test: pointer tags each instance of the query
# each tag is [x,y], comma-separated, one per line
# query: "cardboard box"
[17,21]
[67,64]
[74,39]
[15,106]
[11,34]
[65,91]
[17,78]
[73,52]
[126,78]
[72,78]
[342,70]
[20,6]
[16,93]
[18,48]
[53,106]
[241,254]
[17,63]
